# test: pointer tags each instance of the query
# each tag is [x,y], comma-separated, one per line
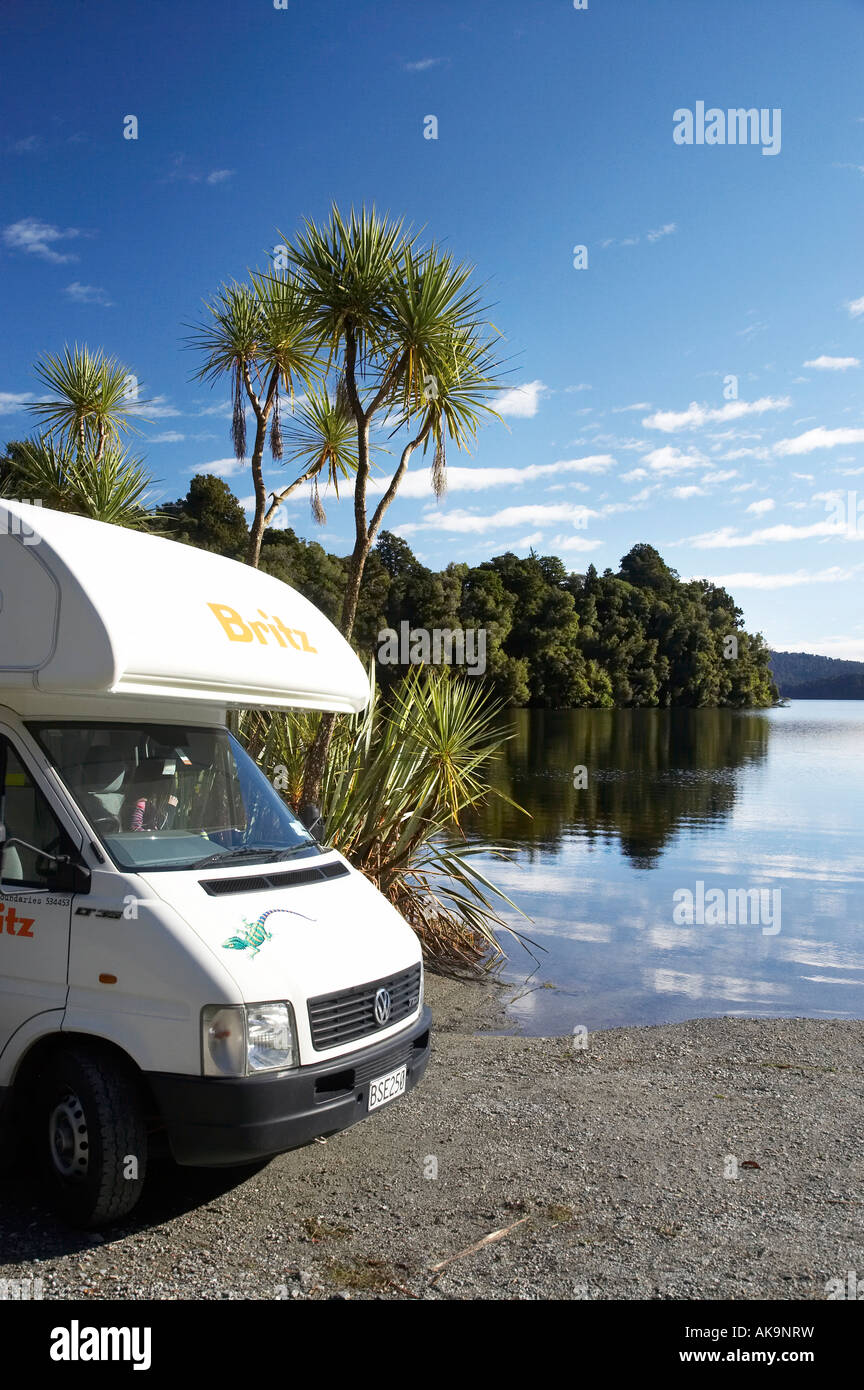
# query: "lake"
[610,863]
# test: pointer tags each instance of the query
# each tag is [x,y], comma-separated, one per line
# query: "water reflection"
[734,799]
[648,772]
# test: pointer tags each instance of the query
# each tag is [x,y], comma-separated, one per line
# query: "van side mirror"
[311,816]
[63,873]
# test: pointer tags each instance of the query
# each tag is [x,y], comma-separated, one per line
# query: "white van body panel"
[94,608]
[324,937]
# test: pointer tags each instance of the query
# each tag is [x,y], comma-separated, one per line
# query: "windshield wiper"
[247,854]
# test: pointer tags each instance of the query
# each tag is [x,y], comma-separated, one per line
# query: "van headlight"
[242,1039]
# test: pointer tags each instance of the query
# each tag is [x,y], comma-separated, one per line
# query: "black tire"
[88,1123]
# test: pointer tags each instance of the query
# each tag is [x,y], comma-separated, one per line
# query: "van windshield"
[172,797]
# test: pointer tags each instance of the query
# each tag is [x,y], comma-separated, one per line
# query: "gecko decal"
[255,933]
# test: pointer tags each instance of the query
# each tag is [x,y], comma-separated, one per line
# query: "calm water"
[773,799]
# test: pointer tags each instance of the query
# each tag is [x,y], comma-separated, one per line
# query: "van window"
[27,816]
[169,797]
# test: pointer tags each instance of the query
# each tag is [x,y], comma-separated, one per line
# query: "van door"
[34,921]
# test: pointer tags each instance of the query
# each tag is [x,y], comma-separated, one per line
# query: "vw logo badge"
[382,1006]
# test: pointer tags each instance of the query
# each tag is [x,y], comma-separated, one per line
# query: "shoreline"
[718,1158]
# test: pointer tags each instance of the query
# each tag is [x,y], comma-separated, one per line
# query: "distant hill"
[837,688]
[804,676]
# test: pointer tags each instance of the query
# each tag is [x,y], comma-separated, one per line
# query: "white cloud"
[820,438]
[88,294]
[521,401]
[12,403]
[727,538]
[666,230]
[528,542]
[225,468]
[792,580]
[169,437]
[477,523]
[671,460]
[422,65]
[583,386]
[856,307]
[574,543]
[767,504]
[833,364]
[720,475]
[39,239]
[640,405]
[416,481]
[155,409]
[220,175]
[695,416]
[682,493]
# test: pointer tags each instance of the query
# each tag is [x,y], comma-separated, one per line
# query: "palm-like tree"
[258,335]
[111,488]
[91,401]
[406,330]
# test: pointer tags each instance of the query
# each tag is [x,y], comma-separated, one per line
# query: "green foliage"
[91,400]
[399,782]
[111,489]
[209,517]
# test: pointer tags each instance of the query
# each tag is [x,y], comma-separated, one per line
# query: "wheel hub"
[67,1137]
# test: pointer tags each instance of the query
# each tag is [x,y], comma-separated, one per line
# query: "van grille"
[252,883]
[337,1019]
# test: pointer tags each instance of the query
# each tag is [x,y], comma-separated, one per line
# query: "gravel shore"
[720,1158]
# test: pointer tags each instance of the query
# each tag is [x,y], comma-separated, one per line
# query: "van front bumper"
[217,1121]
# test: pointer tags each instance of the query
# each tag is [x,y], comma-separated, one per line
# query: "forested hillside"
[553,638]
[795,670]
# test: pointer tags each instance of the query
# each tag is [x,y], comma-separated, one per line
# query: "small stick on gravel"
[492,1237]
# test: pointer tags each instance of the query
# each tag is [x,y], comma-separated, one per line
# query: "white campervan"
[177,952]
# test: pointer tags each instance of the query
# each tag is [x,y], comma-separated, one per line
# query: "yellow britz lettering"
[260,629]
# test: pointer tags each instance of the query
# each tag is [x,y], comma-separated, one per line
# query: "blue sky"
[555,130]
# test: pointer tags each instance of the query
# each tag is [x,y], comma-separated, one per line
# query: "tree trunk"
[262,414]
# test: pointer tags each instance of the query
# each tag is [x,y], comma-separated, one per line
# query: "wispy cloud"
[416,481]
[462,522]
[856,307]
[28,145]
[88,294]
[695,416]
[37,238]
[727,538]
[158,408]
[521,401]
[181,173]
[793,579]
[12,403]
[671,460]
[766,504]
[833,364]
[820,438]
[666,230]
[169,437]
[422,64]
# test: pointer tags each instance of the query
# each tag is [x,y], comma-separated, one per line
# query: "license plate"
[387,1087]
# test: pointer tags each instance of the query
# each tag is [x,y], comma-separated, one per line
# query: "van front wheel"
[90,1136]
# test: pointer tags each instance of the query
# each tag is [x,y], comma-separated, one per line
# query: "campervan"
[179,955]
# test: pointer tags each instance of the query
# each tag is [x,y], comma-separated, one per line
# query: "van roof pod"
[88,608]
